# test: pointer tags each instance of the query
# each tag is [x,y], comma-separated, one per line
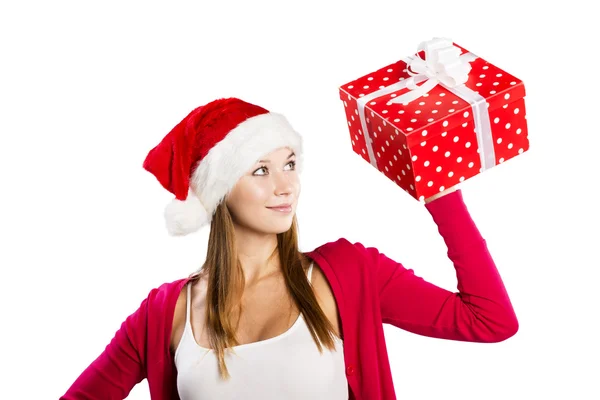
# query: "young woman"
[262,320]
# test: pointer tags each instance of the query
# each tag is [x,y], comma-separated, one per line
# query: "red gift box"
[437,118]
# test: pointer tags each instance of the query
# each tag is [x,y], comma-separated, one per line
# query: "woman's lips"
[281,209]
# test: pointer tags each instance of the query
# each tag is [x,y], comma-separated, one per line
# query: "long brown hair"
[226,282]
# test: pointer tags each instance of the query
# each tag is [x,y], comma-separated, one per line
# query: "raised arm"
[119,367]
[480,311]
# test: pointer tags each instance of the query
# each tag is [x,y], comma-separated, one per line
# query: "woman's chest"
[263,315]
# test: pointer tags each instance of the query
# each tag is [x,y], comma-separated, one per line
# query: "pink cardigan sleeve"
[119,367]
[480,311]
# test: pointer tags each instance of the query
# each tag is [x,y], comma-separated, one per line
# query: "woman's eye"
[261,168]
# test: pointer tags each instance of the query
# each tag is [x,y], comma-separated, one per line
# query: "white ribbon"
[443,65]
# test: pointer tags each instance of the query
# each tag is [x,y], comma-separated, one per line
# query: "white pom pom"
[183,217]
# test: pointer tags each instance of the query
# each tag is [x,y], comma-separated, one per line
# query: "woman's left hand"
[441,194]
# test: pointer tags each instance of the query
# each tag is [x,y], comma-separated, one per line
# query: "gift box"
[436,118]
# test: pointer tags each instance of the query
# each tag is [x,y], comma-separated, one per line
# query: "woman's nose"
[282,182]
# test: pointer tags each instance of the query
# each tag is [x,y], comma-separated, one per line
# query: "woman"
[261,319]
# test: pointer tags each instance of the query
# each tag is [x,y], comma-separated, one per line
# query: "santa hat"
[201,158]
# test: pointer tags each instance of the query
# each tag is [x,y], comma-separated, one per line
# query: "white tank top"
[288,366]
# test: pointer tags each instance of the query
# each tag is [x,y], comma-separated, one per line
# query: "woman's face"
[271,182]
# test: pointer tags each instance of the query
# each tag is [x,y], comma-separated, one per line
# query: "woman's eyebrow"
[268,161]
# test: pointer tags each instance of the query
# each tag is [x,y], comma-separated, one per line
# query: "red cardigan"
[370,289]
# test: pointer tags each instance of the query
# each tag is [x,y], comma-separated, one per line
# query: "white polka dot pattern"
[430,143]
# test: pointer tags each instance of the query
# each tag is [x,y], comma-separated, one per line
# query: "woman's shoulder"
[170,286]
[331,245]
[339,255]
[341,247]
[166,293]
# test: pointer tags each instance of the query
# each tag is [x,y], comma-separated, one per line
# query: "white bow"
[443,64]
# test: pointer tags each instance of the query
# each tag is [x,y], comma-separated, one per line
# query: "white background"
[87,89]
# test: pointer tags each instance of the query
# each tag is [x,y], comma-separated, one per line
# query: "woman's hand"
[441,194]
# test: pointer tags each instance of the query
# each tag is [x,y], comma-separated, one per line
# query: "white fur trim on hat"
[183,217]
[227,161]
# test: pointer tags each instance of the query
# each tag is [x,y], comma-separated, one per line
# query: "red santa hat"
[201,158]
